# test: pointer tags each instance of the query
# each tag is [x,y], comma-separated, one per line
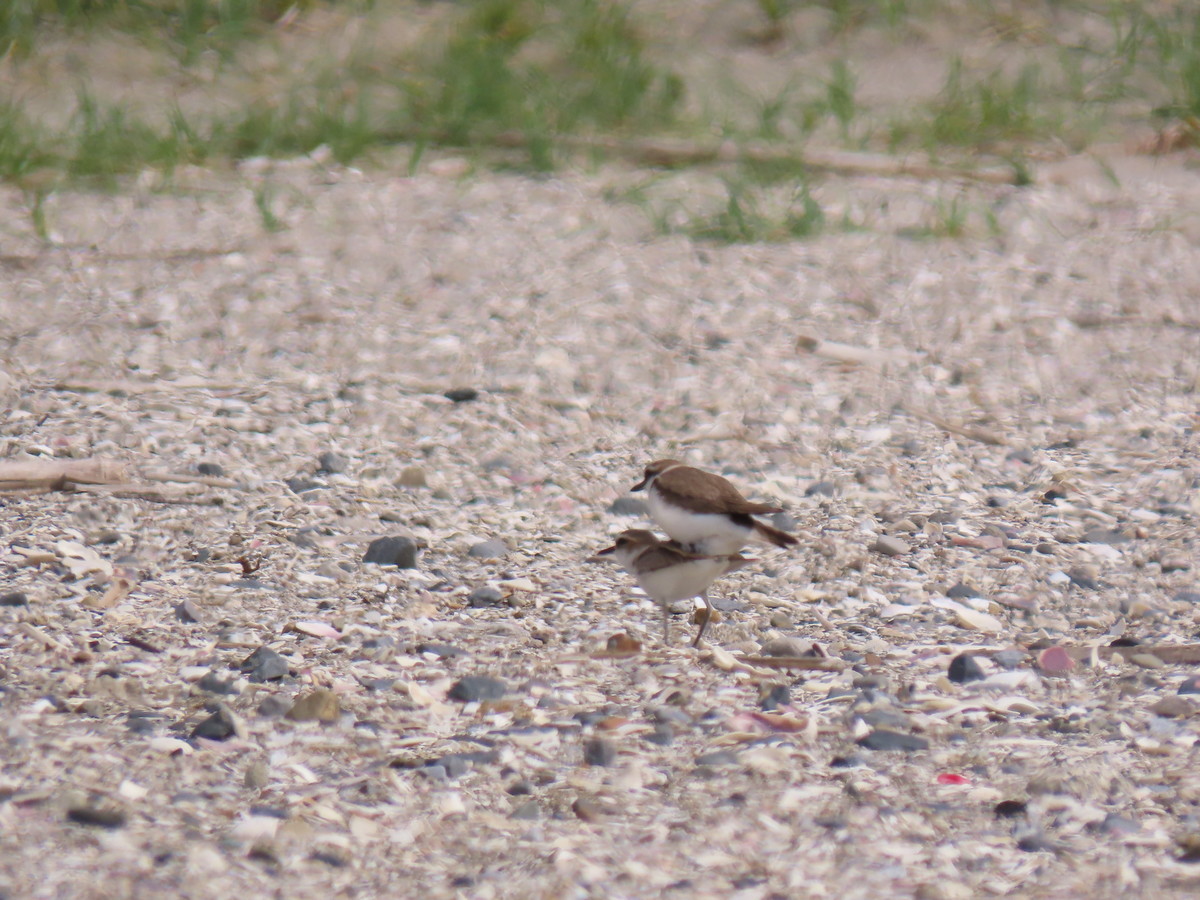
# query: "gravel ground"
[1011,469]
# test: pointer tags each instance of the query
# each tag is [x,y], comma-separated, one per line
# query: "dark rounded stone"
[599,752]
[97,818]
[474,688]
[1009,809]
[821,489]
[217,727]
[777,696]
[14,598]
[299,484]
[485,596]
[962,591]
[963,668]
[884,739]
[187,611]
[211,469]
[392,551]
[461,394]
[264,664]
[330,463]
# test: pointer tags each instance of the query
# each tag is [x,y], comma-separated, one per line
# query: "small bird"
[667,572]
[704,512]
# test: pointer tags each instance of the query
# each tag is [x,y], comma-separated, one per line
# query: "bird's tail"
[774,535]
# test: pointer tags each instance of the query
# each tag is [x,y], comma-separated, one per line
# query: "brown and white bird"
[668,573]
[704,512]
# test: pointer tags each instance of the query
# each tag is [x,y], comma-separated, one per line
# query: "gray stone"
[884,739]
[821,489]
[392,551]
[599,752]
[330,463]
[963,668]
[629,506]
[264,664]
[220,726]
[485,596]
[889,545]
[474,688]
[493,549]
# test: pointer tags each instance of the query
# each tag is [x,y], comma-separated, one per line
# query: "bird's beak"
[600,555]
[641,484]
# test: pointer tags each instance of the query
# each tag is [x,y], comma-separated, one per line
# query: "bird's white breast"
[709,533]
[679,582]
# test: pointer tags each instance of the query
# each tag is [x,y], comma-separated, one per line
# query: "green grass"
[590,72]
[748,214]
[188,26]
[510,78]
[981,112]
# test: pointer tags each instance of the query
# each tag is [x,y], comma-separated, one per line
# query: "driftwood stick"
[671,153]
[976,434]
[58,474]
[848,353]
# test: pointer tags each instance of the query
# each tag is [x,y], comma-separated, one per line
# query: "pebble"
[1190,685]
[717,758]
[474,688]
[1008,659]
[599,752]
[1055,661]
[257,776]
[14,598]
[1103,536]
[821,489]
[315,706]
[1174,707]
[962,591]
[215,684]
[885,739]
[1175,564]
[786,646]
[485,596]
[527,811]
[300,484]
[187,611]
[775,696]
[412,477]
[629,506]
[587,810]
[330,463]
[97,818]
[1181,597]
[784,521]
[963,668]
[211,469]
[1146,661]
[274,706]
[663,734]
[392,551]
[220,726]
[461,394]
[1083,579]
[264,664]
[889,545]
[1009,809]
[493,549]
[975,620]
[443,651]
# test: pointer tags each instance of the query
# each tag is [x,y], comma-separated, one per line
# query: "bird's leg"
[666,624]
[708,611]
